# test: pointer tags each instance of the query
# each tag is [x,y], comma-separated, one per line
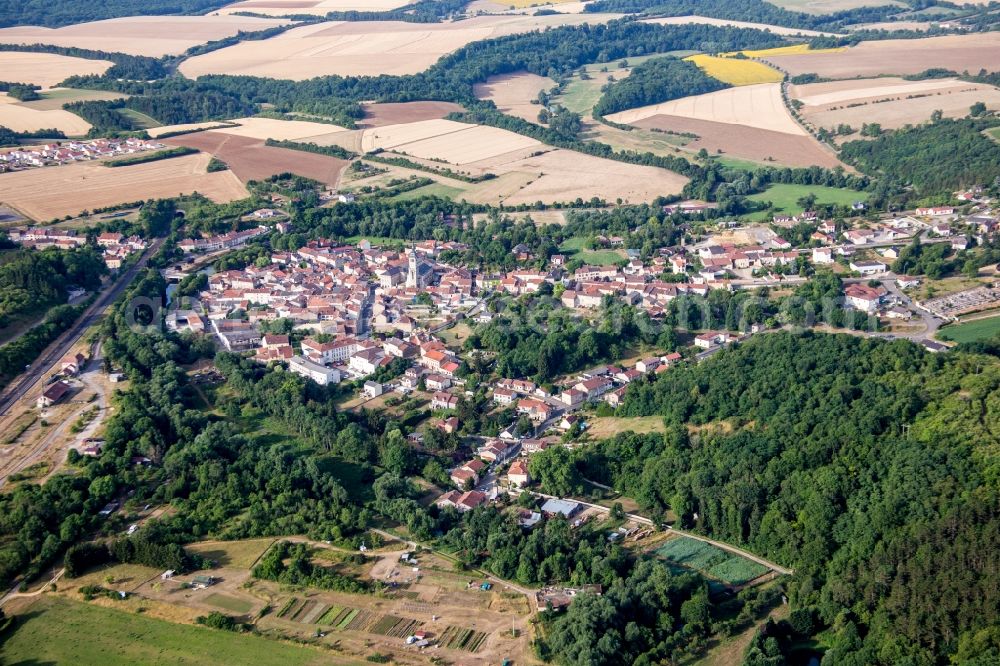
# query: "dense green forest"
[55,13]
[757,11]
[870,467]
[31,279]
[936,158]
[654,81]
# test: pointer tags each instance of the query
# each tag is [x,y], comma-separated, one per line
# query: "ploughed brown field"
[394,113]
[249,159]
[748,143]
[898,56]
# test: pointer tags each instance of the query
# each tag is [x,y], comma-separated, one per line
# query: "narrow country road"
[47,360]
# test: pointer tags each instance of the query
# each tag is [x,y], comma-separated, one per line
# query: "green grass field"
[60,631]
[994,134]
[228,603]
[784,197]
[601,257]
[971,331]
[141,119]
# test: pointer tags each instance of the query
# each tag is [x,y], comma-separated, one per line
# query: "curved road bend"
[43,365]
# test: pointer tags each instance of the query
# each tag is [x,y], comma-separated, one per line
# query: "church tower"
[412,275]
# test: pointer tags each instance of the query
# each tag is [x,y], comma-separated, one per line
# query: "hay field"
[280,130]
[746,143]
[51,192]
[899,56]
[362,48]
[393,113]
[153,36]
[54,98]
[20,118]
[736,72]
[702,20]
[46,69]
[315,7]
[249,159]
[891,102]
[757,106]
[512,93]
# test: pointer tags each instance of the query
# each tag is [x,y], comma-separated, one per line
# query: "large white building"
[314,371]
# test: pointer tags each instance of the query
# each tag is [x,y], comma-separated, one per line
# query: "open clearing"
[60,631]
[702,20]
[710,560]
[784,197]
[757,106]
[891,102]
[315,7]
[54,98]
[46,69]
[602,427]
[747,143]
[153,36]
[736,72]
[14,115]
[362,48]
[898,56]
[392,113]
[249,159]
[512,93]
[51,192]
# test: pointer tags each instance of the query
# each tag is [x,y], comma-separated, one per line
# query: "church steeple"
[412,274]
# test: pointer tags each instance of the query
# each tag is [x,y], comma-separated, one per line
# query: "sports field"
[59,631]
[971,331]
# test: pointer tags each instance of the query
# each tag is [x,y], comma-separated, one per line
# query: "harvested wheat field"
[899,56]
[314,7]
[703,20]
[46,69]
[565,175]
[363,48]
[279,130]
[52,192]
[757,106]
[747,143]
[249,159]
[453,142]
[20,118]
[891,102]
[393,113]
[153,36]
[512,93]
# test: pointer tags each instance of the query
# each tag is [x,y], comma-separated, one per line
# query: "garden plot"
[711,561]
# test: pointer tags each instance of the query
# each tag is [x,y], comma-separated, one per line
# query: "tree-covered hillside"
[655,81]
[869,467]
[55,13]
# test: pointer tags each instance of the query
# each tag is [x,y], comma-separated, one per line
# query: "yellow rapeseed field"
[736,72]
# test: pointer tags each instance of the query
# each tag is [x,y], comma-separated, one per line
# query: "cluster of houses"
[115,247]
[227,241]
[66,152]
